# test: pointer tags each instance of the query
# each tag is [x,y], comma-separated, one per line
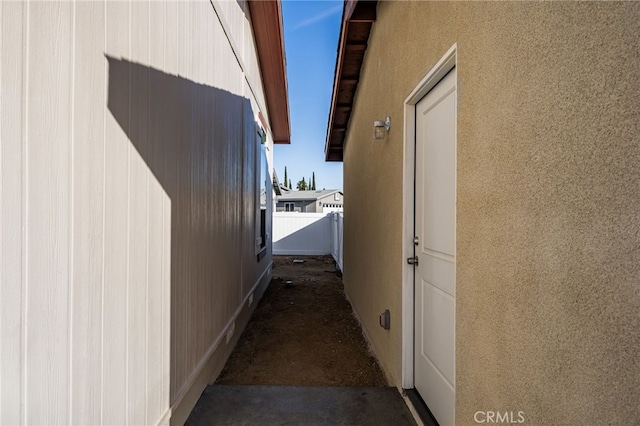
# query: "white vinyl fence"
[336,237]
[308,234]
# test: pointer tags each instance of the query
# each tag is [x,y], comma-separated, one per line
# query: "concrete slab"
[295,405]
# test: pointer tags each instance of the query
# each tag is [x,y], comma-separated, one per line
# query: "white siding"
[116,250]
[159,214]
[48,289]
[88,211]
[12,209]
[127,203]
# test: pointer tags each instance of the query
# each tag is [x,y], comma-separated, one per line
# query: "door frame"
[428,82]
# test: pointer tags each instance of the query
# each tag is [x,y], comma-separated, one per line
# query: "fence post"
[340,225]
[334,235]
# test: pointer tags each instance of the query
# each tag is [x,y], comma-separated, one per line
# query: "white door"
[435,221]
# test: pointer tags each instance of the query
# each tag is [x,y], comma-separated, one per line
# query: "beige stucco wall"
[548,212]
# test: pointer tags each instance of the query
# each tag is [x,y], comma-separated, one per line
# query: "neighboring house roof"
[358,17]
[307,195]
[266,21]
[277,186]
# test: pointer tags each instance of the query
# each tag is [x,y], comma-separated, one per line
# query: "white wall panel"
[127,204]
[116,226]
[169,167]
[252,67]
[89,98]
[232,13]
[138,221]
[11,209]
[48,215]
[248,203]
[159,218]
[181,296]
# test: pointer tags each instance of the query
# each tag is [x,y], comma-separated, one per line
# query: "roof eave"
[266,22]
[288,197]
[352,47]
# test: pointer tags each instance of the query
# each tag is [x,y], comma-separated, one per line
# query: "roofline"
[366,13]
[266,22]
[309,198]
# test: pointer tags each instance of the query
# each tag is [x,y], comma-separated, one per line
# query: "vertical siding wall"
[127,203]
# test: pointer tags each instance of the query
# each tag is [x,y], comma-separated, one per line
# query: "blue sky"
[311,30]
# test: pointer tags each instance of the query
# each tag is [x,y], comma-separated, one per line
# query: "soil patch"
[303,332]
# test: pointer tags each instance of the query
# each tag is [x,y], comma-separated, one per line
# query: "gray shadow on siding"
[162,115]
[244,6]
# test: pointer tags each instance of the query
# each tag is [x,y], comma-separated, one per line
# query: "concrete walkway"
[293,405]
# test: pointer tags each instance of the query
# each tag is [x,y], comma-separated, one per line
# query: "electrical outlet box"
[385,320]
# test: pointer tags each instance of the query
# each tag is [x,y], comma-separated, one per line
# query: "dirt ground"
[303,333]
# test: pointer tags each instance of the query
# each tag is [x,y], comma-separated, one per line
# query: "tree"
[285,176]
[313,182]
[290,186]
[302,185]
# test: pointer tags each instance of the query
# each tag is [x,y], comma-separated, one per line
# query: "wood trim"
[357,18]
[266,21]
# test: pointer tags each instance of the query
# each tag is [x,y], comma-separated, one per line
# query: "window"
[336,196]
[262,196]
[289,207]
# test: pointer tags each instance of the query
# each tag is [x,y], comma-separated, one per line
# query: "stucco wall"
[548,300]
[127,205]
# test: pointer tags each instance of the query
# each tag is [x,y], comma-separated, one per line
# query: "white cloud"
[319,17]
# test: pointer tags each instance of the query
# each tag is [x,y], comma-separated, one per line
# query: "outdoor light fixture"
[380,128]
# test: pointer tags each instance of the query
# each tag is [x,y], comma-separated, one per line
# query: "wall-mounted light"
[380,128]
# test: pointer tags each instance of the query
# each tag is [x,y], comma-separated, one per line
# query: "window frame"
[261,184]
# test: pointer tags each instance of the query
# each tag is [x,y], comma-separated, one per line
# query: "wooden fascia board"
[346,14]
[343,50]
[266,22]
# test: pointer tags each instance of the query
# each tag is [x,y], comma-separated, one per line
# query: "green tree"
[313,182]
[302,185]
[290,186]
[285,176]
